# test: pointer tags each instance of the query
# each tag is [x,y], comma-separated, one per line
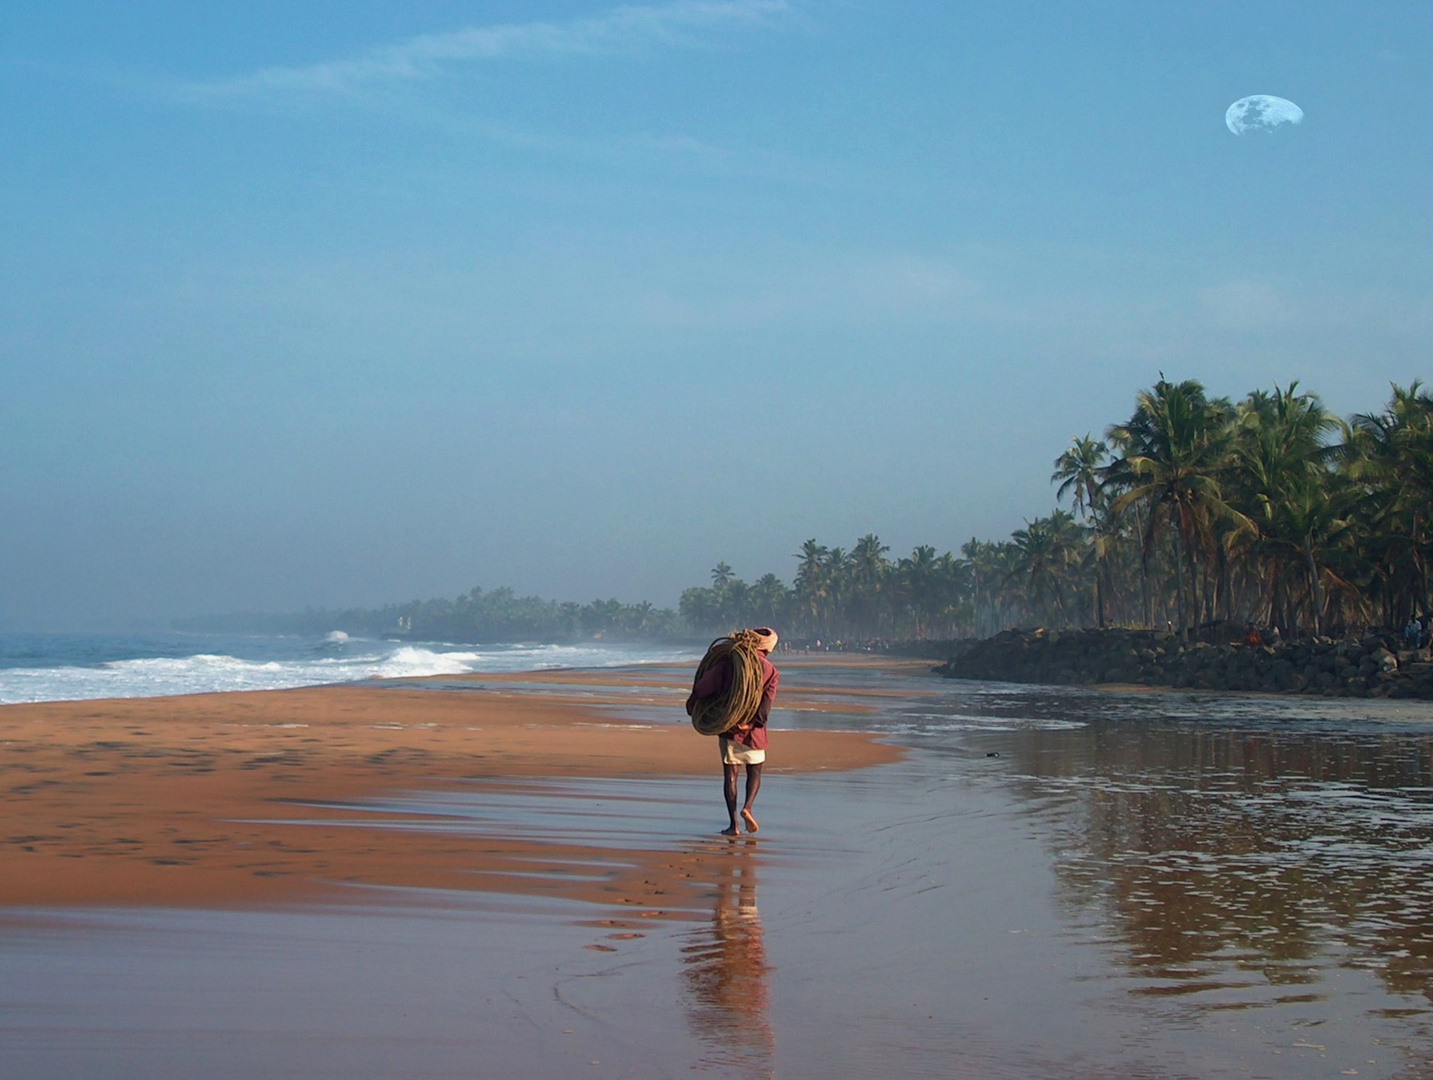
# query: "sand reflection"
[725,991]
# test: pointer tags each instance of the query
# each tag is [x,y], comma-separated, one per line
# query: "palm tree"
[917,575]
[768,600]
[1174,449]
[1048,549]
[1280,462]
[837,570]
[810,584]
[869,570]
[701,608]
[952,592]
[1308,522]
[640,617]
[991,565]
[1391,453]
[1117,515]
[1080,469]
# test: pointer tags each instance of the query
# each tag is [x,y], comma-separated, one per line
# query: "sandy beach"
[198,799]
[519,875]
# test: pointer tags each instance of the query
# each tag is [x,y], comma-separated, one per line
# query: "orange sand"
[145,801]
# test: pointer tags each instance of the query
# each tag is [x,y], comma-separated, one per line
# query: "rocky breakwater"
[1369,665]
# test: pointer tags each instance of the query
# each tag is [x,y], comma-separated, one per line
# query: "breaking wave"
[288,663]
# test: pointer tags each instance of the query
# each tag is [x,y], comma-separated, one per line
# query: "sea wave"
[310,665]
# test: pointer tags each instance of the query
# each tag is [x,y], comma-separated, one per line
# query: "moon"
[1262,113]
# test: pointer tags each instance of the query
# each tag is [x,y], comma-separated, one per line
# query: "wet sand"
[195,800]
[1048,883]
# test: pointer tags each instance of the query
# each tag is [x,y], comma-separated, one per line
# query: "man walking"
[744,744]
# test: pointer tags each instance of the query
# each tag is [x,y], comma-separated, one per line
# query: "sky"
[352,302]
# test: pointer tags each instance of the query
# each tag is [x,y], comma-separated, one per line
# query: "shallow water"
[1056,883]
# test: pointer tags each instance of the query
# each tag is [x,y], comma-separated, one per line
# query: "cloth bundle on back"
[738,704]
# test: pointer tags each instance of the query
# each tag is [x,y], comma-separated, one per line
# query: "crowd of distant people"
[868,645]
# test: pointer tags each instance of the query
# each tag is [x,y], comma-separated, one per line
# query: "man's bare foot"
[751,825]
[731,830]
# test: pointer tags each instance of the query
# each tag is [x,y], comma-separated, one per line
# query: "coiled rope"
[738,704]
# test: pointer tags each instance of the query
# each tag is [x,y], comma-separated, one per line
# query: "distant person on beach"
[744,744]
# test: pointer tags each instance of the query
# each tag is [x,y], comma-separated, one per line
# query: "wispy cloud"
[624,29]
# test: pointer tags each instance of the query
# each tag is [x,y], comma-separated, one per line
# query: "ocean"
[74,667]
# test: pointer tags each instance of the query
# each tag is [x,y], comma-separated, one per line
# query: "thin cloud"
[623,29]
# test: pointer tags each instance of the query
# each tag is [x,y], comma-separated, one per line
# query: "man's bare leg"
[753,785]
[729,778]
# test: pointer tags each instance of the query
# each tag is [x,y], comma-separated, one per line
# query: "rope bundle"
[718,715]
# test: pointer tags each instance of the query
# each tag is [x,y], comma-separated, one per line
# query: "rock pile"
[1367,666]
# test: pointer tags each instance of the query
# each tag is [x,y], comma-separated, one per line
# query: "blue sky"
[352,302]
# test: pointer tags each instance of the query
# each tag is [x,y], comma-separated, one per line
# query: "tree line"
[497,615]
[1195,511]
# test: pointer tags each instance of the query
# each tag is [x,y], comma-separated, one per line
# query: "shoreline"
[233,799]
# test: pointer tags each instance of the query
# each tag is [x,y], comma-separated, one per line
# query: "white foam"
[210,672]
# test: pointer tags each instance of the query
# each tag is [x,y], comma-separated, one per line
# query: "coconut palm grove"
[1194,511]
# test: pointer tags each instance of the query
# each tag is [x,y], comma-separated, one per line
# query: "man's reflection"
[727,997]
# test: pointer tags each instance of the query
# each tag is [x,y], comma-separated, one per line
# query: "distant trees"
[840,595]
[1194,510]
[498,615]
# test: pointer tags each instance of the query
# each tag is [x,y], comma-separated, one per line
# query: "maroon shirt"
[716,682]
